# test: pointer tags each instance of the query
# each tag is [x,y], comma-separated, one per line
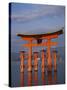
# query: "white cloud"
[37,11]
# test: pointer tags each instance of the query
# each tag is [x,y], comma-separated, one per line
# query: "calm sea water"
[37,78]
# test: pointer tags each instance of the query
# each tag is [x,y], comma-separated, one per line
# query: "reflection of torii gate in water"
[39,38]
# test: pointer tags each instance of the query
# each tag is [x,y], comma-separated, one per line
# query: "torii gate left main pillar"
[29,65]
[30,57]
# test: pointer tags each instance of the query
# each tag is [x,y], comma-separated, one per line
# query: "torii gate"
[39,38]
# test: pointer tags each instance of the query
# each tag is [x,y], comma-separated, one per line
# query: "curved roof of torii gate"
[40,35]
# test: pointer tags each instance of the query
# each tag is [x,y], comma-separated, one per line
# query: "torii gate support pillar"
[30,57]
[43,61]
[21,61]
[35,61]
[55,63]
[49,56]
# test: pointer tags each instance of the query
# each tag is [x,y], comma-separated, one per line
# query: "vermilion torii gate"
[48,43]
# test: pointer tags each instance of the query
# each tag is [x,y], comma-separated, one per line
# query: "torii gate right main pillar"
[49,57]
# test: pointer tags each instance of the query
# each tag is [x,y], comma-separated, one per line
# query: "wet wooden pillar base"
[43,61]
[43,78]
[55,59]
[29,78]
[36,77]
[55,77]
[35,61]
[21,61]
[50,77]
[22,79]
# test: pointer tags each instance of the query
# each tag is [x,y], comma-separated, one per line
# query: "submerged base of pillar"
[43,68]
[35,68]
[22,70]
[49,67]
[29,69]
[55,68]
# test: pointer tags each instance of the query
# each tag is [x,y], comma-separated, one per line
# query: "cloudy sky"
[35,18]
